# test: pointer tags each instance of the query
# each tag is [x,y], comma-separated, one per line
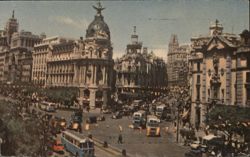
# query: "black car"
[91,120]
[194,153]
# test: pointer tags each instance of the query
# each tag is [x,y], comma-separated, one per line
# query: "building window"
[248,77]
[198,79]
[248,62]
[198,67]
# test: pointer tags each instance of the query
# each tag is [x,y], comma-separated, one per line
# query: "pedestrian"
[120,128]
[119,139]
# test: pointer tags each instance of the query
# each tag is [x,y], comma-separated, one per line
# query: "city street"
[135,141]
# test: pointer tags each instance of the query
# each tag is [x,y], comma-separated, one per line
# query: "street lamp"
[1,141]
[178,120]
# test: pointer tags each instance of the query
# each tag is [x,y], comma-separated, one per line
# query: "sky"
[155,20]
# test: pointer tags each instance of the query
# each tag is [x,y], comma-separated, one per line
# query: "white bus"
[139,119]
[153,126]
[48,106]
[78,144]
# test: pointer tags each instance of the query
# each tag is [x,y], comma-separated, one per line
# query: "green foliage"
[21,137]
[229,119]
[65,96]
[230,113]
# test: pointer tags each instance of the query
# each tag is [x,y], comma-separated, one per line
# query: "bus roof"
[152,117]
[140,112]
[137,101]
[161,106]
[77,136]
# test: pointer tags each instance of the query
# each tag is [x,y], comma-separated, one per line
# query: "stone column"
[92,98]
[105,99]
[103,75]
[80,97]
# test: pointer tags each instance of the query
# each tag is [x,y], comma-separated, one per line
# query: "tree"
[20,137]
[230,120]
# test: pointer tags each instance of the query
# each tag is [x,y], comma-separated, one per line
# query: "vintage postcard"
[142,78]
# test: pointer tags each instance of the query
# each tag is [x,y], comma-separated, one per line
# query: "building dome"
[98,28]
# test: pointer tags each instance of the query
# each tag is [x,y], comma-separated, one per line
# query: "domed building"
[137,72]
[85,64]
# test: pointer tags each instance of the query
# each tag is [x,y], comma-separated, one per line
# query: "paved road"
[135,141]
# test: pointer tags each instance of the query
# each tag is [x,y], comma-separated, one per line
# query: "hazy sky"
[156,20]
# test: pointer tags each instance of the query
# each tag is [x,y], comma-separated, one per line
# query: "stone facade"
[177,65]
[40,57]
[3,50]
[16,53]
[243,71]
[137,71]
[84,64]
[19,57]
[218,72]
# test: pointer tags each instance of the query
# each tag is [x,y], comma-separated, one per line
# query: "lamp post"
[178,120]
[1,141]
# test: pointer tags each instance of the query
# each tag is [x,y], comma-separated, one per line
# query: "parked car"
[91,120]
[106,111]
[193,153]
[117,115]
[58,147]
[101,118]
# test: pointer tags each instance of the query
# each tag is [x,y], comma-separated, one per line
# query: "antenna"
[13,14]
[134,29]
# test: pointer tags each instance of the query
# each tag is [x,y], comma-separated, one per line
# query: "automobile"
[73,125]
[106,111]
[117,115]
[101,118]
[91,120]
[58,147]
[193,153]
[77,117]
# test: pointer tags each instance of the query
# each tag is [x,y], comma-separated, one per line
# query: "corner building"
[139,74]
[219,66]
[84,64]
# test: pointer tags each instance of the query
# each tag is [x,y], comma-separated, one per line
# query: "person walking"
[119,139]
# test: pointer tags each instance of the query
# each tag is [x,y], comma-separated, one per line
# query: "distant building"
[139,73]
[19,57]
[177,65]
[16,52]
[84,64]
[219,66]
[3,50]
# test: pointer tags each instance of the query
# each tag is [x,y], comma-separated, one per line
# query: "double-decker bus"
[78,144]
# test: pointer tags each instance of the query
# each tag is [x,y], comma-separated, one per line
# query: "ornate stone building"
[177,65]
[18,60]
[139,73]
[243,71]
[16,52]
[85,64]
[40,57]
[3,50]
[218,72]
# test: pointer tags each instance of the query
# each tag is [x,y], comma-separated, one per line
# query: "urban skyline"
[155,21]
